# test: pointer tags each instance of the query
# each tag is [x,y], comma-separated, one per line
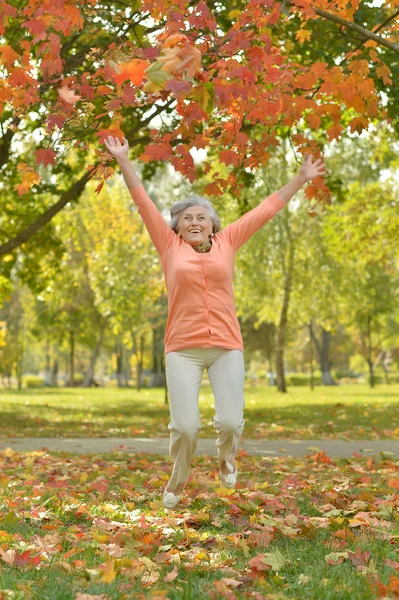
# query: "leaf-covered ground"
[85,527]
[347,412]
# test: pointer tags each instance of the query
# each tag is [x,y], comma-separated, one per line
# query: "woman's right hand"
[115,148]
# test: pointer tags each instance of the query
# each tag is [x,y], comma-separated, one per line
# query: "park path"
[333,448]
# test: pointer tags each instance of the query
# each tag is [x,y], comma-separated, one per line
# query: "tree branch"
[370,35]
[73,193]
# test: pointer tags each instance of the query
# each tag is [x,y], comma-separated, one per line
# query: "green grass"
[344,412]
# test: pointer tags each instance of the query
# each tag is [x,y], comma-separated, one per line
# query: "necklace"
[205,247]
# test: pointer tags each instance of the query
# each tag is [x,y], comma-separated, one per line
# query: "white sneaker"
[230,479]
[170,499]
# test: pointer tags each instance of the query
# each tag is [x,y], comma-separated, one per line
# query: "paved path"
[205,446]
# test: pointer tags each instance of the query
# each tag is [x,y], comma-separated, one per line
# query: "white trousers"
[226,374]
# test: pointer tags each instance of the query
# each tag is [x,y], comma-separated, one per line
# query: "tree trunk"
[269,334]
[47,370]
[119,369]
[282,326]
[369,353]
[311,357]
[89,377]
[323,354]
[72,359]
[54,373]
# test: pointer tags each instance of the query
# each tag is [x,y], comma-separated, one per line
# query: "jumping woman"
[202,329]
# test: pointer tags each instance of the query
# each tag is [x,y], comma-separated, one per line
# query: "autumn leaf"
[269,560]
[109,574]
[335,558]
[229,157]
[186,60]
[7,55]
[384,73]
[174,39]
[358,557]
[29,178]
[133,71]
[113,131]
[47,157]
[68,95]
[303,35]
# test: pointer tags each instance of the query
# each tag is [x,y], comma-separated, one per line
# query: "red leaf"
[25,560]
[114,131]
[133,71]
[358,557]
[36,27]
[229,157]
[47,157]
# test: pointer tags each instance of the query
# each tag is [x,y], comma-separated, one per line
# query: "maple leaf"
[29,178]
[133,71]
[229,157]
[47,157]
[384,73]
[358,557]
[186,60]
[174,39]
[109,574]
[269,560]
[114,131]
[7,55]
[68,95]
[303,35]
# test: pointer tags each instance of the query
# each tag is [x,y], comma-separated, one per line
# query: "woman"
[202,329]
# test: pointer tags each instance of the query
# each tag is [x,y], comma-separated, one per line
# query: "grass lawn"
[92,527]
[345,412]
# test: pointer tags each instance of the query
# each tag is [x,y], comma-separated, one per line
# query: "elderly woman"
[202,329]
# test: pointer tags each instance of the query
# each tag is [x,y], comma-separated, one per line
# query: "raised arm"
[239,232]
[160,232]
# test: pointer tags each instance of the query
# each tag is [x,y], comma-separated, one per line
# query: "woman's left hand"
[311,169]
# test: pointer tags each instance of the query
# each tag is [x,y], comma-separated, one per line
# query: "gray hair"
[194,200]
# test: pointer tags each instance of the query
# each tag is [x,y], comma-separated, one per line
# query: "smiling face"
[195,225]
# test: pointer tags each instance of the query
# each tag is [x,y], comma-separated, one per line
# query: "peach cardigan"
[199,285]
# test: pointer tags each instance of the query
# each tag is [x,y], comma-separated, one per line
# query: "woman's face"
[195,225]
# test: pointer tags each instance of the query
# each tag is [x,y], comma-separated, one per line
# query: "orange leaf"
[174,39]
[29,178]
[68,95]
[393,483]
[180,60]
[384,73]
[115,131]
[303,35]
[8,55]
[133,71]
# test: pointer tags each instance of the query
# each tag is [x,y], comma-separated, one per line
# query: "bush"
[33,381]
[303,378]
[78,379]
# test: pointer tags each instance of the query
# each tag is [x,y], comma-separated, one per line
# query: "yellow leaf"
[109,574]
[100,537]
[303,35]
[234,14]
[224,491]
